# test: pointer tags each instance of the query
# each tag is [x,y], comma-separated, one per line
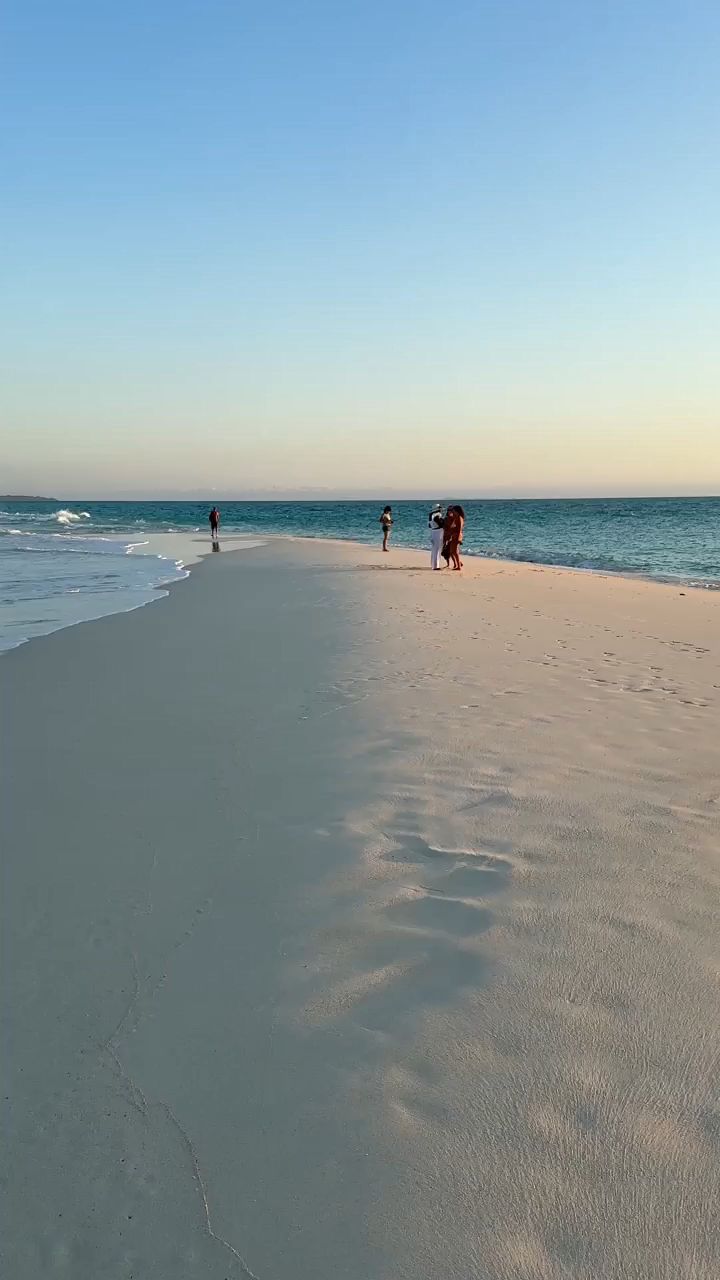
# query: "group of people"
[446,534]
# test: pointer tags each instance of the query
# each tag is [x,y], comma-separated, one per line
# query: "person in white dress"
[436,525]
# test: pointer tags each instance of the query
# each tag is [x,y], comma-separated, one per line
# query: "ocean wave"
[73,540]
[32,541]
[65,516]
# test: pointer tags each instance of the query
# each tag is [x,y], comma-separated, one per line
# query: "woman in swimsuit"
[461,532]
[447,531]
[386,520]
[454,525]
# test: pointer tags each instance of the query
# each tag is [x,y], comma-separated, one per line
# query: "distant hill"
[25,497]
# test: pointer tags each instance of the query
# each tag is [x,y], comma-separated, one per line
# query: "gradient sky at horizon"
[471,247]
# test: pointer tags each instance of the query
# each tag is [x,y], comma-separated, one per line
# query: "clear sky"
[396,246]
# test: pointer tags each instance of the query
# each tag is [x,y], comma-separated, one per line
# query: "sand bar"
[362,922]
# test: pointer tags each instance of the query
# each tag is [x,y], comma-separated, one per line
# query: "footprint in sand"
[433,911]
[471,872]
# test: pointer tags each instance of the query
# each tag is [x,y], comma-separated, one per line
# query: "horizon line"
[328,495]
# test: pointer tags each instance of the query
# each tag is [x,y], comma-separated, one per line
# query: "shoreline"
[177,550]
[668,541]
[187,550]
[475,557]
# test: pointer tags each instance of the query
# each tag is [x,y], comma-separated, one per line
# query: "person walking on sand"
[436,525]
[386,520]
[214,519]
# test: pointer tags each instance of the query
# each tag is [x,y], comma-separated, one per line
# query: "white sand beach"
[362,922]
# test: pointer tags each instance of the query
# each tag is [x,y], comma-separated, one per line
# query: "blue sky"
[361,246]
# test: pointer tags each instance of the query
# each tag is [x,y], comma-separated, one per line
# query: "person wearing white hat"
[436,525]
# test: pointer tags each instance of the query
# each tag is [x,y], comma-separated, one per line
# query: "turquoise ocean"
[65,562]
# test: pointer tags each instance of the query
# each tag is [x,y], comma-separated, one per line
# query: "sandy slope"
[364,924]
[537,921]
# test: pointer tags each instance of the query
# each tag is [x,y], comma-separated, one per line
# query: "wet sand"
[361,921]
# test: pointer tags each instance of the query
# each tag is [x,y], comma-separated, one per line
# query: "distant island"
[25,497]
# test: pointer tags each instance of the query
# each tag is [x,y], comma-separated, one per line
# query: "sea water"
[62,563]
[56,569]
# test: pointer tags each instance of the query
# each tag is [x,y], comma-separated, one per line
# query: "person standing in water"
[436,525]
[214,519]
[386,520]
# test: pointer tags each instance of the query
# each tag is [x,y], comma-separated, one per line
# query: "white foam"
[65,516]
